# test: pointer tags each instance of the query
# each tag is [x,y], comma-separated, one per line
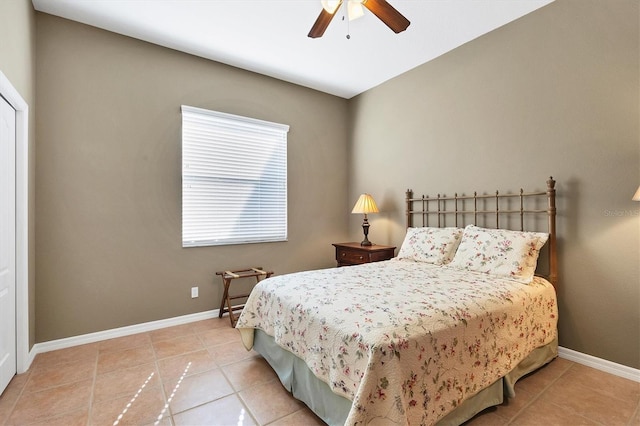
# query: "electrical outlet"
[194,292]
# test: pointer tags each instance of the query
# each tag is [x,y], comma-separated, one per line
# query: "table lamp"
[365,204]
[636,197]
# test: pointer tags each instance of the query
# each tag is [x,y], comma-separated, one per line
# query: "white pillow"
[500,252]
[430,245]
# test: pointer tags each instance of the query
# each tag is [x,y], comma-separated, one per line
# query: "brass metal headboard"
[438,210]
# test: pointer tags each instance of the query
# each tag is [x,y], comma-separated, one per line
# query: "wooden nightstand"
[355,254]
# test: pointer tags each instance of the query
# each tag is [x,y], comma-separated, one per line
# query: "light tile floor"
[208,378]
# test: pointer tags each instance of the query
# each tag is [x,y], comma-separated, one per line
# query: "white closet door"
[7,243]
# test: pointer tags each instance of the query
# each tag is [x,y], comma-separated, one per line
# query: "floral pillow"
[430,245]
[500,252]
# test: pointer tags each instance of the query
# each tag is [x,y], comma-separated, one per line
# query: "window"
[234,179]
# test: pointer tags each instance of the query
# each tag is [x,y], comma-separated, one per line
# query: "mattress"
[405,342]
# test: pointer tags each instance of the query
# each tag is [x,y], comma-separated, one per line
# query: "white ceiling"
[270,36]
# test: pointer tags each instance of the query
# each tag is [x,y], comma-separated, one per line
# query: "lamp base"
[365,230]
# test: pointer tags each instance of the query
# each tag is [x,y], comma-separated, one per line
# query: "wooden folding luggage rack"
[227,277]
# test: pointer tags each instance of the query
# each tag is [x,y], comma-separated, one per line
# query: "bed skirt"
[334,409]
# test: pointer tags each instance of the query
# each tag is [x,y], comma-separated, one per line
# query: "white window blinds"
[234,179]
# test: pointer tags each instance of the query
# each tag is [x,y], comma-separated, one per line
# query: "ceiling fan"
[383,10]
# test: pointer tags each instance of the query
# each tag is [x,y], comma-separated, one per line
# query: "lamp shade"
[636,197]
[365,204]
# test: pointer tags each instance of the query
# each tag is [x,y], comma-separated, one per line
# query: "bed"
[435,335]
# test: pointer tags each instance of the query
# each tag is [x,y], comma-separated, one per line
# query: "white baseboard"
[83,339]
[600,364]
[52,345]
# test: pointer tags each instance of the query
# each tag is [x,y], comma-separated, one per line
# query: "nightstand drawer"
[351,257]
[356,254]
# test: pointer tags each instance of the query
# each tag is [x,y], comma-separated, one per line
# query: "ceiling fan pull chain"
[346,13]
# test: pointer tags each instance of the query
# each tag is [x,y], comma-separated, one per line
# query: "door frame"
[23,360]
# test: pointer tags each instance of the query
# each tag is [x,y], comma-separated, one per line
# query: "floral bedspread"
[407,342]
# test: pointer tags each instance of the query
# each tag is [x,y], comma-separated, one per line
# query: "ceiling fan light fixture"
[355,9]
[330,5]
[380,8]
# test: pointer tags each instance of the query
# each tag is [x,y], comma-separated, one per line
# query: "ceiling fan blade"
[387,14]
[322,22]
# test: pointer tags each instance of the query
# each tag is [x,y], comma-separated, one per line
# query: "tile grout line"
[56,415]
[634,414]
[236,392]
[161,380]
[167,406]
[218,367]
[116,370]
[513,421]
[539,394]
[580,414]
[95,373]
[93,386]
[286,415]
[15,403]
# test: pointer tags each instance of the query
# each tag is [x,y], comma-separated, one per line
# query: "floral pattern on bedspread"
[407,342]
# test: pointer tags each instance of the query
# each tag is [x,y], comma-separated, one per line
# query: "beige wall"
[108,179]
[18,64]
[554,93]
